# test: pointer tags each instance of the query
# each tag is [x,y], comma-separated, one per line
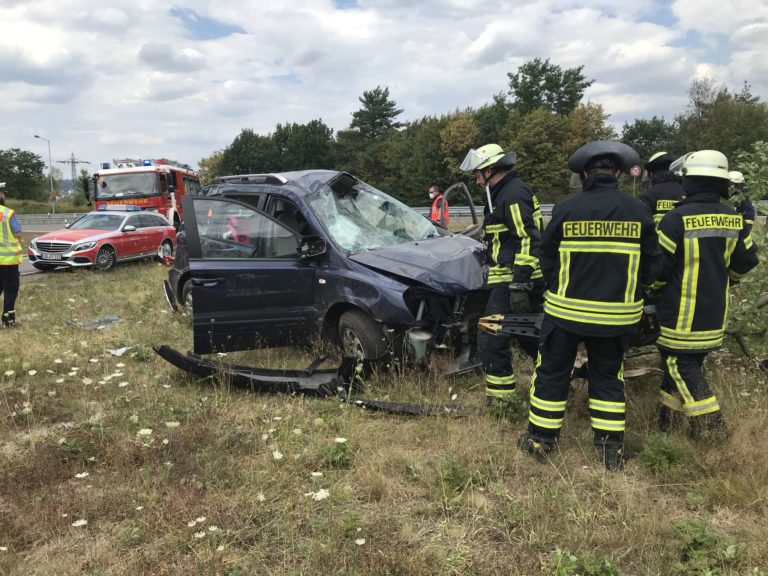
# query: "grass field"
[123,466]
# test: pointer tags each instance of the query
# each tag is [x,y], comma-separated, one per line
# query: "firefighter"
[705,244]
[738,195]
[512,227]
[597,253]
[666,188]
[10,258]
[439,211]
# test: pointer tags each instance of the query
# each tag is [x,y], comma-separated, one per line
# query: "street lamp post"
[50,171]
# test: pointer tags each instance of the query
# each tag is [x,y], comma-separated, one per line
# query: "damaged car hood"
[449,264]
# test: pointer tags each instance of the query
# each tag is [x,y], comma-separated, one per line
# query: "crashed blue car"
[274,259]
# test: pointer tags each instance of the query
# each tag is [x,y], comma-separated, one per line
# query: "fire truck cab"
[156,184]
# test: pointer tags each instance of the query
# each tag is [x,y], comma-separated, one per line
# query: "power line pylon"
[73,162]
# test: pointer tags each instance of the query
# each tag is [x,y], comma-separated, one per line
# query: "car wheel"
[164,250]
[361,337]
[186,296]
[105,259]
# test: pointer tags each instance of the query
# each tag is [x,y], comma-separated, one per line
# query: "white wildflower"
[59,380]
[166,441]
[360,541]
[200,519]
[144,432]
[297,431]
[167,386]
[82,475]
[172,424]
[454,397]
[139,508]
[340,440]
[87,381]
[321,494]
[277,418]
[58,361]
[5,548]
[81,522]
[119,365]
[277,455]
[32,372]
[192,523]
[122,384]
[9,372]
[51,393]
[199,535]
[212,528]
[134,419]
[220,548]
[316,474]
[260,497]
[93,360]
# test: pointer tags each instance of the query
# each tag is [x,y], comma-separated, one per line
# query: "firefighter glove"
[519,302]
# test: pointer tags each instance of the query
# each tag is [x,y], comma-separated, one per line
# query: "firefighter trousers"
[552,377]
[494,349]
[684,388]
[9,287]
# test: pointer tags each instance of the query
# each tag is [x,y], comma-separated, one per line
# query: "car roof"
[300,182]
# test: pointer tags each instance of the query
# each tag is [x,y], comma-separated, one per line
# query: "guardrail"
[64,218]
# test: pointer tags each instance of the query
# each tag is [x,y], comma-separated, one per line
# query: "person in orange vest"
[10,258]
[439,212]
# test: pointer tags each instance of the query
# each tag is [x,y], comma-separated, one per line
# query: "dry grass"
[440,495]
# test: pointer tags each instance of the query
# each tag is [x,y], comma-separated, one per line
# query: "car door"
[130,243]
[249,286]
[153,232]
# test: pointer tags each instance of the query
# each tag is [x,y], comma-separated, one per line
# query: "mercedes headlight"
[84,246]
[33,244]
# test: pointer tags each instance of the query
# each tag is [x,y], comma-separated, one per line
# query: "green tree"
[491,119]
[650,136]
[250,153]
[210,167]
[717,119]
[754,165]
[304,146]
[540,84]
[22,172]
[459,135]
[377,116]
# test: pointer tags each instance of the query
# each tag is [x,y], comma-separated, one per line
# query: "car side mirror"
[129,228]
[312,246]
[67,225]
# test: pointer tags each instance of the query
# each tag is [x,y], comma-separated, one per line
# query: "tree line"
[542,117]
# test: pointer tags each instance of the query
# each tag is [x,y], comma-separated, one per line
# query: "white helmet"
[736,177]
[709,163]
[483,157]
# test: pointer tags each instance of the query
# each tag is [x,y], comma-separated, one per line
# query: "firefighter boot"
[668,418]
[614,452]
[538,446]
[9,319]
[708,427]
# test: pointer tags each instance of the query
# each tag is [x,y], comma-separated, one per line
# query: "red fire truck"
[152,184]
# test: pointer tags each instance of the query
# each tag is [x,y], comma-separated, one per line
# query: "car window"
[159,221]
[287,213]
[95,221]
[134,221]
[145,221]
[229,230]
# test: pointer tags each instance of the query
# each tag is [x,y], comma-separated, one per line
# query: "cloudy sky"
[180,78]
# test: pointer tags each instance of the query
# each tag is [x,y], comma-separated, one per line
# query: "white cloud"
[125,77]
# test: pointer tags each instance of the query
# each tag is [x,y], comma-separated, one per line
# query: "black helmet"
[603,154]
[660,161]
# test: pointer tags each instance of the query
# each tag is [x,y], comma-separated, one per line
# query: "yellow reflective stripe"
[666,243]
[496,228]
[548,405]
[657,217]
[670,401]
[552,423]
[491,379]
[632,275]
[594,305]
[682,387]
[730,246]
[701,407]
[606,406]
[565,263]
[609,425]
[689,284]
[536,274]
[610,247]
[517,220]
[659,284]
[748,241]
[495,247]
[593,318]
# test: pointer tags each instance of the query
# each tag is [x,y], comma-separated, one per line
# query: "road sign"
[53,196]
[635,171]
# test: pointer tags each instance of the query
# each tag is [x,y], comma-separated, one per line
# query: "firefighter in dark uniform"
[705,245]
[597,253]
[512,227]
[666,188]
[738,196]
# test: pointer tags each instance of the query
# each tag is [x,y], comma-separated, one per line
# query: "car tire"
[165,249]
[186,297]
[361,337]
[105,259]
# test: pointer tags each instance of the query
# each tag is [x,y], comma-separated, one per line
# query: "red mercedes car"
[103,238]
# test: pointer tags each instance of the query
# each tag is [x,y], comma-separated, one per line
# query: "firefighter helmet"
[487,156]
[710,163]
[603,153]
[736,177]
[659,161]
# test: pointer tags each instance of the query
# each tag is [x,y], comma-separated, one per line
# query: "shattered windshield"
[112,186]
[362,218]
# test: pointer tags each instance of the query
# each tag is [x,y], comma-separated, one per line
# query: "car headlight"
[83,246]
[33,244]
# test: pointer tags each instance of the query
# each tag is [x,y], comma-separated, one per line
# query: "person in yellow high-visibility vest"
[10,258]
